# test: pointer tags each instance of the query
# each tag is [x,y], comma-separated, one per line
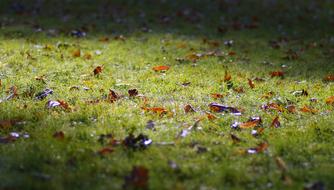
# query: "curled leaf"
[221,108]
[251,83]
[253,122]
[217,96]
[307,109]
[277,74]
[113,96]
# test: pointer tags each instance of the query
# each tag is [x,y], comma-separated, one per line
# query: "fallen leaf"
[330,100]
[260,148]
[273,106]
[105,151]
[253,122]
[104,39]
[210,116]
[277,74]
[159,110]
[88,56]
[133,92]
[251,84]
[291,108]
[138,178]
[188,108]
[161,68]
[221,108]
[329,78]
[76,53]
[217,96]
[307,109]
[113,96]
[98,70]
[275,123]
[239,90]
[227,77]
[59,135]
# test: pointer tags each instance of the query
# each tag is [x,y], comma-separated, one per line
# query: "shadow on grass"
[299,24]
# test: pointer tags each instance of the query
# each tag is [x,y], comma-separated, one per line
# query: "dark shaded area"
[309,19]
[290,26]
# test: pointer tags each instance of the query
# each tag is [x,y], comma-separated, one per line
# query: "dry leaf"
[188,108]
[330,100]
[59,135]
[281,164]
[277,74]
[158,110]
[329,78]
[161,68]
[76,53]
[217,96]
[98,70]
[275,123]
[307,109]
[133,92]
[138,179]
[227,77]
[88,56]
[251,84]
[105,151]
[113,96]
[250,124]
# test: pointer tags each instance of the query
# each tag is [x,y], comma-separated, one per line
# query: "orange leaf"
[291,108]
[76,53]
[64,104]
[98,70]
[161,68]
[239,90]
[262,147]
[251,84]
[158,110]
[211,116]
[330,100]
[249,124]
[307,109]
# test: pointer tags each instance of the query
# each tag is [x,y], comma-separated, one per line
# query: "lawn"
[201,94]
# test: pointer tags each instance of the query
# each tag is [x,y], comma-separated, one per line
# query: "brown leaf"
[188,108]
[6,124]
[329,78]
[64,104]
[133,92]
[113,96]
[275,123]
[76,53]
[138,178]
[161,68]
[291,108]
[239,90]
[227,77]
[59,135]
[217,96]
[251,84]
[210,116]
[98,70]
[330,100]
[277,74]
[232,53]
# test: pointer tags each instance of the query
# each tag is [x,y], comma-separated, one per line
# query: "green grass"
[304,141]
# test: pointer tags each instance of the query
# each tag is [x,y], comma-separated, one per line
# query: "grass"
[207,158]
